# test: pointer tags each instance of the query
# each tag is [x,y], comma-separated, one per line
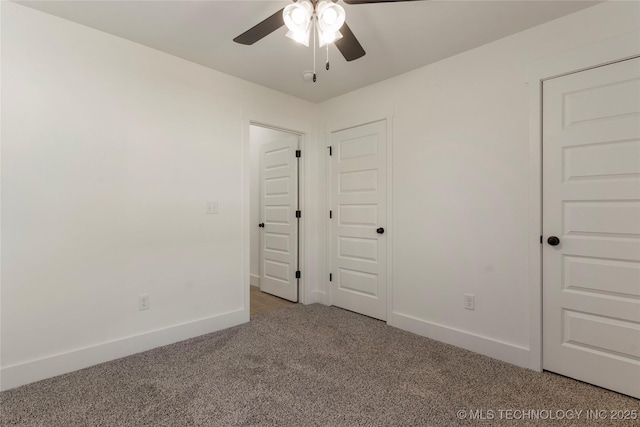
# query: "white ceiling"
[398,37]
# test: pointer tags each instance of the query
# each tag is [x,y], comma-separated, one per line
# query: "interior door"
[591,205]
[278,205]
[359,219]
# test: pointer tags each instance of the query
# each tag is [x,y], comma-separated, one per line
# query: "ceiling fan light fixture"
[297,18]
[331,16]
[324,38]
[300,37]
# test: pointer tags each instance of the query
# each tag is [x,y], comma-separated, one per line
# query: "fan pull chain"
[327,56]
[314,52]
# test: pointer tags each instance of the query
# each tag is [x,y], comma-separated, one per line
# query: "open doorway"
[274,217]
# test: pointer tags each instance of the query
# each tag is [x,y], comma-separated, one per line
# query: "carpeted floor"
[306,366]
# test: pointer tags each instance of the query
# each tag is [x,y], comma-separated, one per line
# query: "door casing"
[607,52]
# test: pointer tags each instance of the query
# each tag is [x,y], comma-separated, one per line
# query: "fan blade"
[348,45]
[374,1]
[262,29]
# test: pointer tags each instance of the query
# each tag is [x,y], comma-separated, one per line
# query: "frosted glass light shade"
[297,18]
[331,16]
[300,37]
[324,38]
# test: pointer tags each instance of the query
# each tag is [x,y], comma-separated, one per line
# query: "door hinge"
[298,153]
[330,277]
[540,239]
[298,275]
[330,150]
[330,214]
[298,214]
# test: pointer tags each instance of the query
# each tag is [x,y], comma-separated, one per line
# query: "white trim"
[254,280]
[606,52]
[500,350]
[535,226]
[374,113]
[326,266]
[391,225]
[316,297]
[246,214]
[62,363]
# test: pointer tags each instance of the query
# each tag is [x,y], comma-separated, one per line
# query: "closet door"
[591,226]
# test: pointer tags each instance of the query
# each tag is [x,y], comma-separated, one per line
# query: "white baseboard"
[506,352]
[316,297]
[254,280]
[51,366]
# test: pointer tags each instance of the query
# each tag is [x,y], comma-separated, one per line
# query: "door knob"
[380,230]
[553,241]
[261,225]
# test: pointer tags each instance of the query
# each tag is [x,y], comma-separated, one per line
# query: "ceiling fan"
[301,16]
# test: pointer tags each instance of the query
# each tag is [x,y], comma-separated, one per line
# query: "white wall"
[258,136]
[109,152]
[460,182]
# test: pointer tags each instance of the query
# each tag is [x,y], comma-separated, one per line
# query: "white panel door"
[359,209]
[591,202]
[278,205]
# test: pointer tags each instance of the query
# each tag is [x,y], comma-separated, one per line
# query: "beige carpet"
[306,366]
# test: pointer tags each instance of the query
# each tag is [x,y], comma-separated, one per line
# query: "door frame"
[616,49]
[304,130]
[372,114]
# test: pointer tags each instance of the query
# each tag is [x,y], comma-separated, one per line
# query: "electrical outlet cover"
[469,302]
[143,302]
[212,207]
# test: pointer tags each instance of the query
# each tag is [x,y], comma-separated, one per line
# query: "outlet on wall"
[469,302]
[212,207]
[143,302]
